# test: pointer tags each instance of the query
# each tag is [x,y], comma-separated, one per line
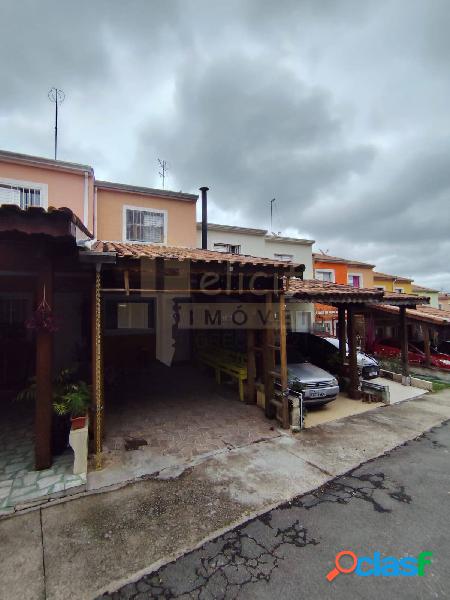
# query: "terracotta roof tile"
[129,250]
[378,275]
[314,290]
[428,314]
[318,256]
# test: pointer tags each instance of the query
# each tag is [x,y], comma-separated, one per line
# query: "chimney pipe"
[204,191]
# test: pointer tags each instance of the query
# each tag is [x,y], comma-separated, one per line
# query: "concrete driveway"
[83,547]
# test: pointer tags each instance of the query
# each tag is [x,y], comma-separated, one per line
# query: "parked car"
[438,359]
[390,348]
[317,385]
[324,352]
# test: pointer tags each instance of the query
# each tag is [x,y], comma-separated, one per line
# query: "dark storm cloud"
[337,109]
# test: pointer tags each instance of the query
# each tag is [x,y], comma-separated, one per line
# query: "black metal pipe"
[204,191]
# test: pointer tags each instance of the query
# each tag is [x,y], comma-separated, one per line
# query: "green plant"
[70,396]
[74,401]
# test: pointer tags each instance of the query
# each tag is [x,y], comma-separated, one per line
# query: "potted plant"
[74,402]
[70,398]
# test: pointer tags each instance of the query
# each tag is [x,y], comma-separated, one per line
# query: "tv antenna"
[271,214]
[163,172]
[57,96]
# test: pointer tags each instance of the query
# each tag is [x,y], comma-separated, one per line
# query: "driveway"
[397,505]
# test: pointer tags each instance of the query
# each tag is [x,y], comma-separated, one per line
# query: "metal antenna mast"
[57,96]
[164,168]
[271,214]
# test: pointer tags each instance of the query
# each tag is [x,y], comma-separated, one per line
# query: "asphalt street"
[397,505]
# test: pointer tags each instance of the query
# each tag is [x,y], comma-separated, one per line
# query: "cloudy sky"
[338,109]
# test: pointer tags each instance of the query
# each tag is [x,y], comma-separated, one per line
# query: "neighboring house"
[36,181]
[433,295]
[444,301]
[392,283]
[343,271]
[259,242]
[111,211]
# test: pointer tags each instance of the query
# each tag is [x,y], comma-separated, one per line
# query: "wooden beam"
[44,373]
[404,341]
[426,343]
[283,362]
[268,361]
[251,366]
[353,358]
[342,335]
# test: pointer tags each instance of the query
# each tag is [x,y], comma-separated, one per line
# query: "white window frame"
[143,209]
[399,290]
[353,274]
[42,187]
[280,255]
[225,247]
[333,275]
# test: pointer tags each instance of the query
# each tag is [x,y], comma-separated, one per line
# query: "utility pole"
[163,171]
[57,97]
[271,214]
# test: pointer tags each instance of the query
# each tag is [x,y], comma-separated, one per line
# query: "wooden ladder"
[274,340]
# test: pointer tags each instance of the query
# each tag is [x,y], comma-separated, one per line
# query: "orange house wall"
[340,276]
[181,216]
[64,188]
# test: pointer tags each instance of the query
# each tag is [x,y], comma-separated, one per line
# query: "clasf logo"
[378,566]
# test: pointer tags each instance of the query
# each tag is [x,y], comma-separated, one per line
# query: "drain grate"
[134,443]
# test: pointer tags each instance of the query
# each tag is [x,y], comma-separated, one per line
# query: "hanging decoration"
[43,318]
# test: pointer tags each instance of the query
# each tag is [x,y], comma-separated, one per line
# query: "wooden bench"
[374,392]
[231,363]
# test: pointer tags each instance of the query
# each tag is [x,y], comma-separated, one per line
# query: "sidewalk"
[81,547]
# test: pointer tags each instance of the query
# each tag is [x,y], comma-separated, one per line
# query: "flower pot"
[78,422]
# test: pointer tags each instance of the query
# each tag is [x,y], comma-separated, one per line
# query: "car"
[438,359]
[390,348]
[324,352]
[317,386]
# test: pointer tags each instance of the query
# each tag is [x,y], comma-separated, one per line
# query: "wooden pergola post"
[353,359]
[251,366]
[268,357]
[44,373]
[426,344]
[97,366]
[342,335]
[283,362]
[404,341]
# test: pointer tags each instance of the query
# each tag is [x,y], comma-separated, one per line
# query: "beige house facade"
[111,211]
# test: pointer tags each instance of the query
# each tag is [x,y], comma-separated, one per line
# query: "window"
[13,311]
[284,256]
[325,275]
[23,193]
[399,290]
[145,225]
[380,288]
[129,315]
[355,279]
[229,248]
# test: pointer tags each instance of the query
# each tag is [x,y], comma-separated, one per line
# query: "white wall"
[259,245]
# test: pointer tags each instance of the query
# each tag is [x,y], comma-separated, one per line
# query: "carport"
[174,294]
[352,302]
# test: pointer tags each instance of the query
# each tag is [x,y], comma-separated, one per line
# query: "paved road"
[398,505]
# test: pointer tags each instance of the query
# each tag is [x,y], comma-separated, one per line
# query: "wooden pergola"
[143,269]
[350,302]
[36,245]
